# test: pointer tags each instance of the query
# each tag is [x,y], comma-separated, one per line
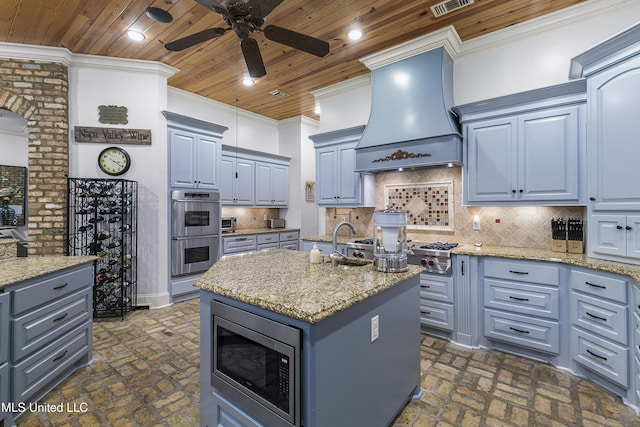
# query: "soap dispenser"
[314,255]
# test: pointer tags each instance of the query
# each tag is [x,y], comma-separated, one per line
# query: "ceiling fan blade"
[253,58]
[194,39]
[214,5]
[296,40]
[264,6]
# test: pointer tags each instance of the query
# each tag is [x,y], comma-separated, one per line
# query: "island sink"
[347,376]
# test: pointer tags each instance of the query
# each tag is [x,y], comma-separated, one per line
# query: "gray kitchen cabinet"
[437,302]
[50,323]
[337,182]
[599,319]
[635,338]
[194,152]
[5,418]
[272,184]
[251,242]
[290,240]
[239,244]
[526,148]
[522,304]
[267,241]
[616,235]
[237,185]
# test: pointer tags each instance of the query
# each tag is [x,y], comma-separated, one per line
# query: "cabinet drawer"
[599,285]
[436,314]
[289,235]
[601,356]
[265,246]
[4,327]
[436,288]
[525,331]
[601,317]
[536,300]
[43,367]
[636,333]
[239,244]
[58,285]
[4,385]
[522,271]
[267,238]
[289,245]
[230,415]
[39,327]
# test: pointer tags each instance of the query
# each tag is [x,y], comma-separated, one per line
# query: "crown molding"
[343,86]
[29,52]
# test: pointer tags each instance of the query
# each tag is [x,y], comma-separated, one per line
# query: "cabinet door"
[280,185]
[549,155]
[614,150]
[245,182]
[182,154]
[263,184]
[607,234]
[348,184]
[632,230]
[491,161]
[205,160]
[326,174]
[227,179]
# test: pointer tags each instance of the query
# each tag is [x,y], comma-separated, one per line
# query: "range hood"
[411,124]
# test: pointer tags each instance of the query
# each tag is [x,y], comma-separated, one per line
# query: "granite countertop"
[328,238]
[579,260]
[16,270]
[283,281]
[258,231]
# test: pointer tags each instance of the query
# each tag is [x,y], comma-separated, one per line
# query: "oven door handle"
[194,237]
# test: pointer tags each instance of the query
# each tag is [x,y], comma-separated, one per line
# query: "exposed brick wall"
[38,91]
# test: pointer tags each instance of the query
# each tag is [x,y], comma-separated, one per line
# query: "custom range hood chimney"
[411,124]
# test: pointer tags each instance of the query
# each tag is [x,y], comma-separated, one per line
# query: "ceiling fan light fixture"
[159,15]
[248,81]
[355,34]
[135,35]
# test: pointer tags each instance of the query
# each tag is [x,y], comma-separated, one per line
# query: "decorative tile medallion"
[429,205]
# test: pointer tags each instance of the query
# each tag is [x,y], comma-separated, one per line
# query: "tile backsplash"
[519,226]
[251,217]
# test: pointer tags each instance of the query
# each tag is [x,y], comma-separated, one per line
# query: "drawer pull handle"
[518,272]
[519,299]
[60,357]
[427,312]
[596,355]
[426,286]
[60,287]
[596,317]
[522,331]
[596,286]
[57,319]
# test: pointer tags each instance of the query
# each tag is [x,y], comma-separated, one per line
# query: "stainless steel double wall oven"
[195,231]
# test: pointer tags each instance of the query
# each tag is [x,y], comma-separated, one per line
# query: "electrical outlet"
[476,223]
[266,218]
[375,327]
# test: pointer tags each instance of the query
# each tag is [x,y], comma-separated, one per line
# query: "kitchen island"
[352,372]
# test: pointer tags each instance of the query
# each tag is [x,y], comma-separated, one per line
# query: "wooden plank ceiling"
[213,68]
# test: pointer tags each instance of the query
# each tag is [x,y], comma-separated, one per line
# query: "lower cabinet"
[436,302]
[599,320]
[5,418]
[522,304]
[50,319]
[290,240]
[251,242]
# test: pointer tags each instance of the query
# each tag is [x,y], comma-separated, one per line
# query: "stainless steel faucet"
[334,245]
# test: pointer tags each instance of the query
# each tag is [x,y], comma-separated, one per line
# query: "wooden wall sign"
[112,135]
[112,115]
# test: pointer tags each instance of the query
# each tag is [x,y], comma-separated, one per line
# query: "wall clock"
[114,161]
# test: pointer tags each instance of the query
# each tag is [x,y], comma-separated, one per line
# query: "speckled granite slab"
[16,270]
[8,248]
[284,282]
[579,260]
[329,238]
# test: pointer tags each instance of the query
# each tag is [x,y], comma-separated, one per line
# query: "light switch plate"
[375,327]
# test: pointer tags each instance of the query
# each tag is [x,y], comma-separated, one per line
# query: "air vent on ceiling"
[448,6]
[279,93]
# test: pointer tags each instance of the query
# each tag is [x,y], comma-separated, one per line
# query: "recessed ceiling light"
[355,34]
[248,81]
[135,35]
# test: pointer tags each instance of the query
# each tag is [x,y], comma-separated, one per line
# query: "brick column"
[38,91]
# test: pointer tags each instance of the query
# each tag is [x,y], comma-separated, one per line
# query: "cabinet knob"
[619,227]
[513,191]
[521,190]
[593,199]
[628,228]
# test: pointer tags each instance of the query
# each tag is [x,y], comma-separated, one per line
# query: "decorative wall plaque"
[112,115]
[112,135]
[429,205]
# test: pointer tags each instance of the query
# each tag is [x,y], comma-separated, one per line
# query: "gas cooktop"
[439,246]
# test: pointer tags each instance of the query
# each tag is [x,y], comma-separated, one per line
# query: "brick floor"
[145,373]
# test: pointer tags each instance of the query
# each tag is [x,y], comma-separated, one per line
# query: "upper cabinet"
[612,71]
[337,182]
[526,149]
[253,178]
[194,152]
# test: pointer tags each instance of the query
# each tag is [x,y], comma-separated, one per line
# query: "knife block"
[559,245]
[575,246]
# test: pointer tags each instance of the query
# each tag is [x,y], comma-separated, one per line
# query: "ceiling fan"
[245,17]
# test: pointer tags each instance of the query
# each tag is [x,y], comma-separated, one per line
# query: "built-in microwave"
[229,223]
[256,363]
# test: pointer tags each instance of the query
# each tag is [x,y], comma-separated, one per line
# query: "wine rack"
[101,221]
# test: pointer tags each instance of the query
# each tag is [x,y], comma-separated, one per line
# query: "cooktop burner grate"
[364,241]
[439,246]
